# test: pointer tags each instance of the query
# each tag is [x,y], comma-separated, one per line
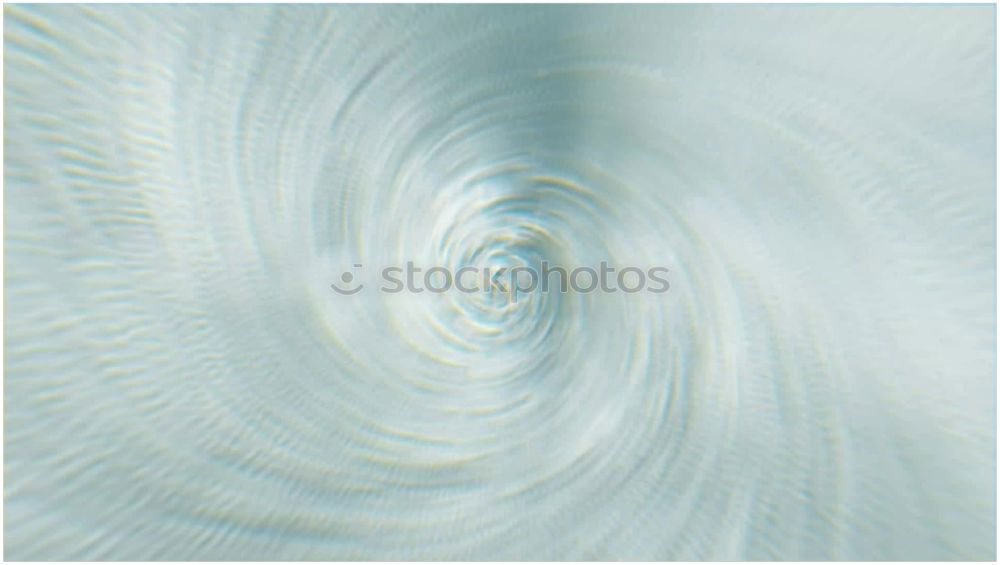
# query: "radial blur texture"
[183,184]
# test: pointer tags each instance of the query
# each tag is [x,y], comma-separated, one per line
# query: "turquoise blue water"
[182,184]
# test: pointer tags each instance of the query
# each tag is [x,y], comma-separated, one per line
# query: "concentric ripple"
[183,184]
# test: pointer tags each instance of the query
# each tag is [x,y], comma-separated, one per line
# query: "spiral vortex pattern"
[184,182]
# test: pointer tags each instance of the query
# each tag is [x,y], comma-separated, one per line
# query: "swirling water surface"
[183,183]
